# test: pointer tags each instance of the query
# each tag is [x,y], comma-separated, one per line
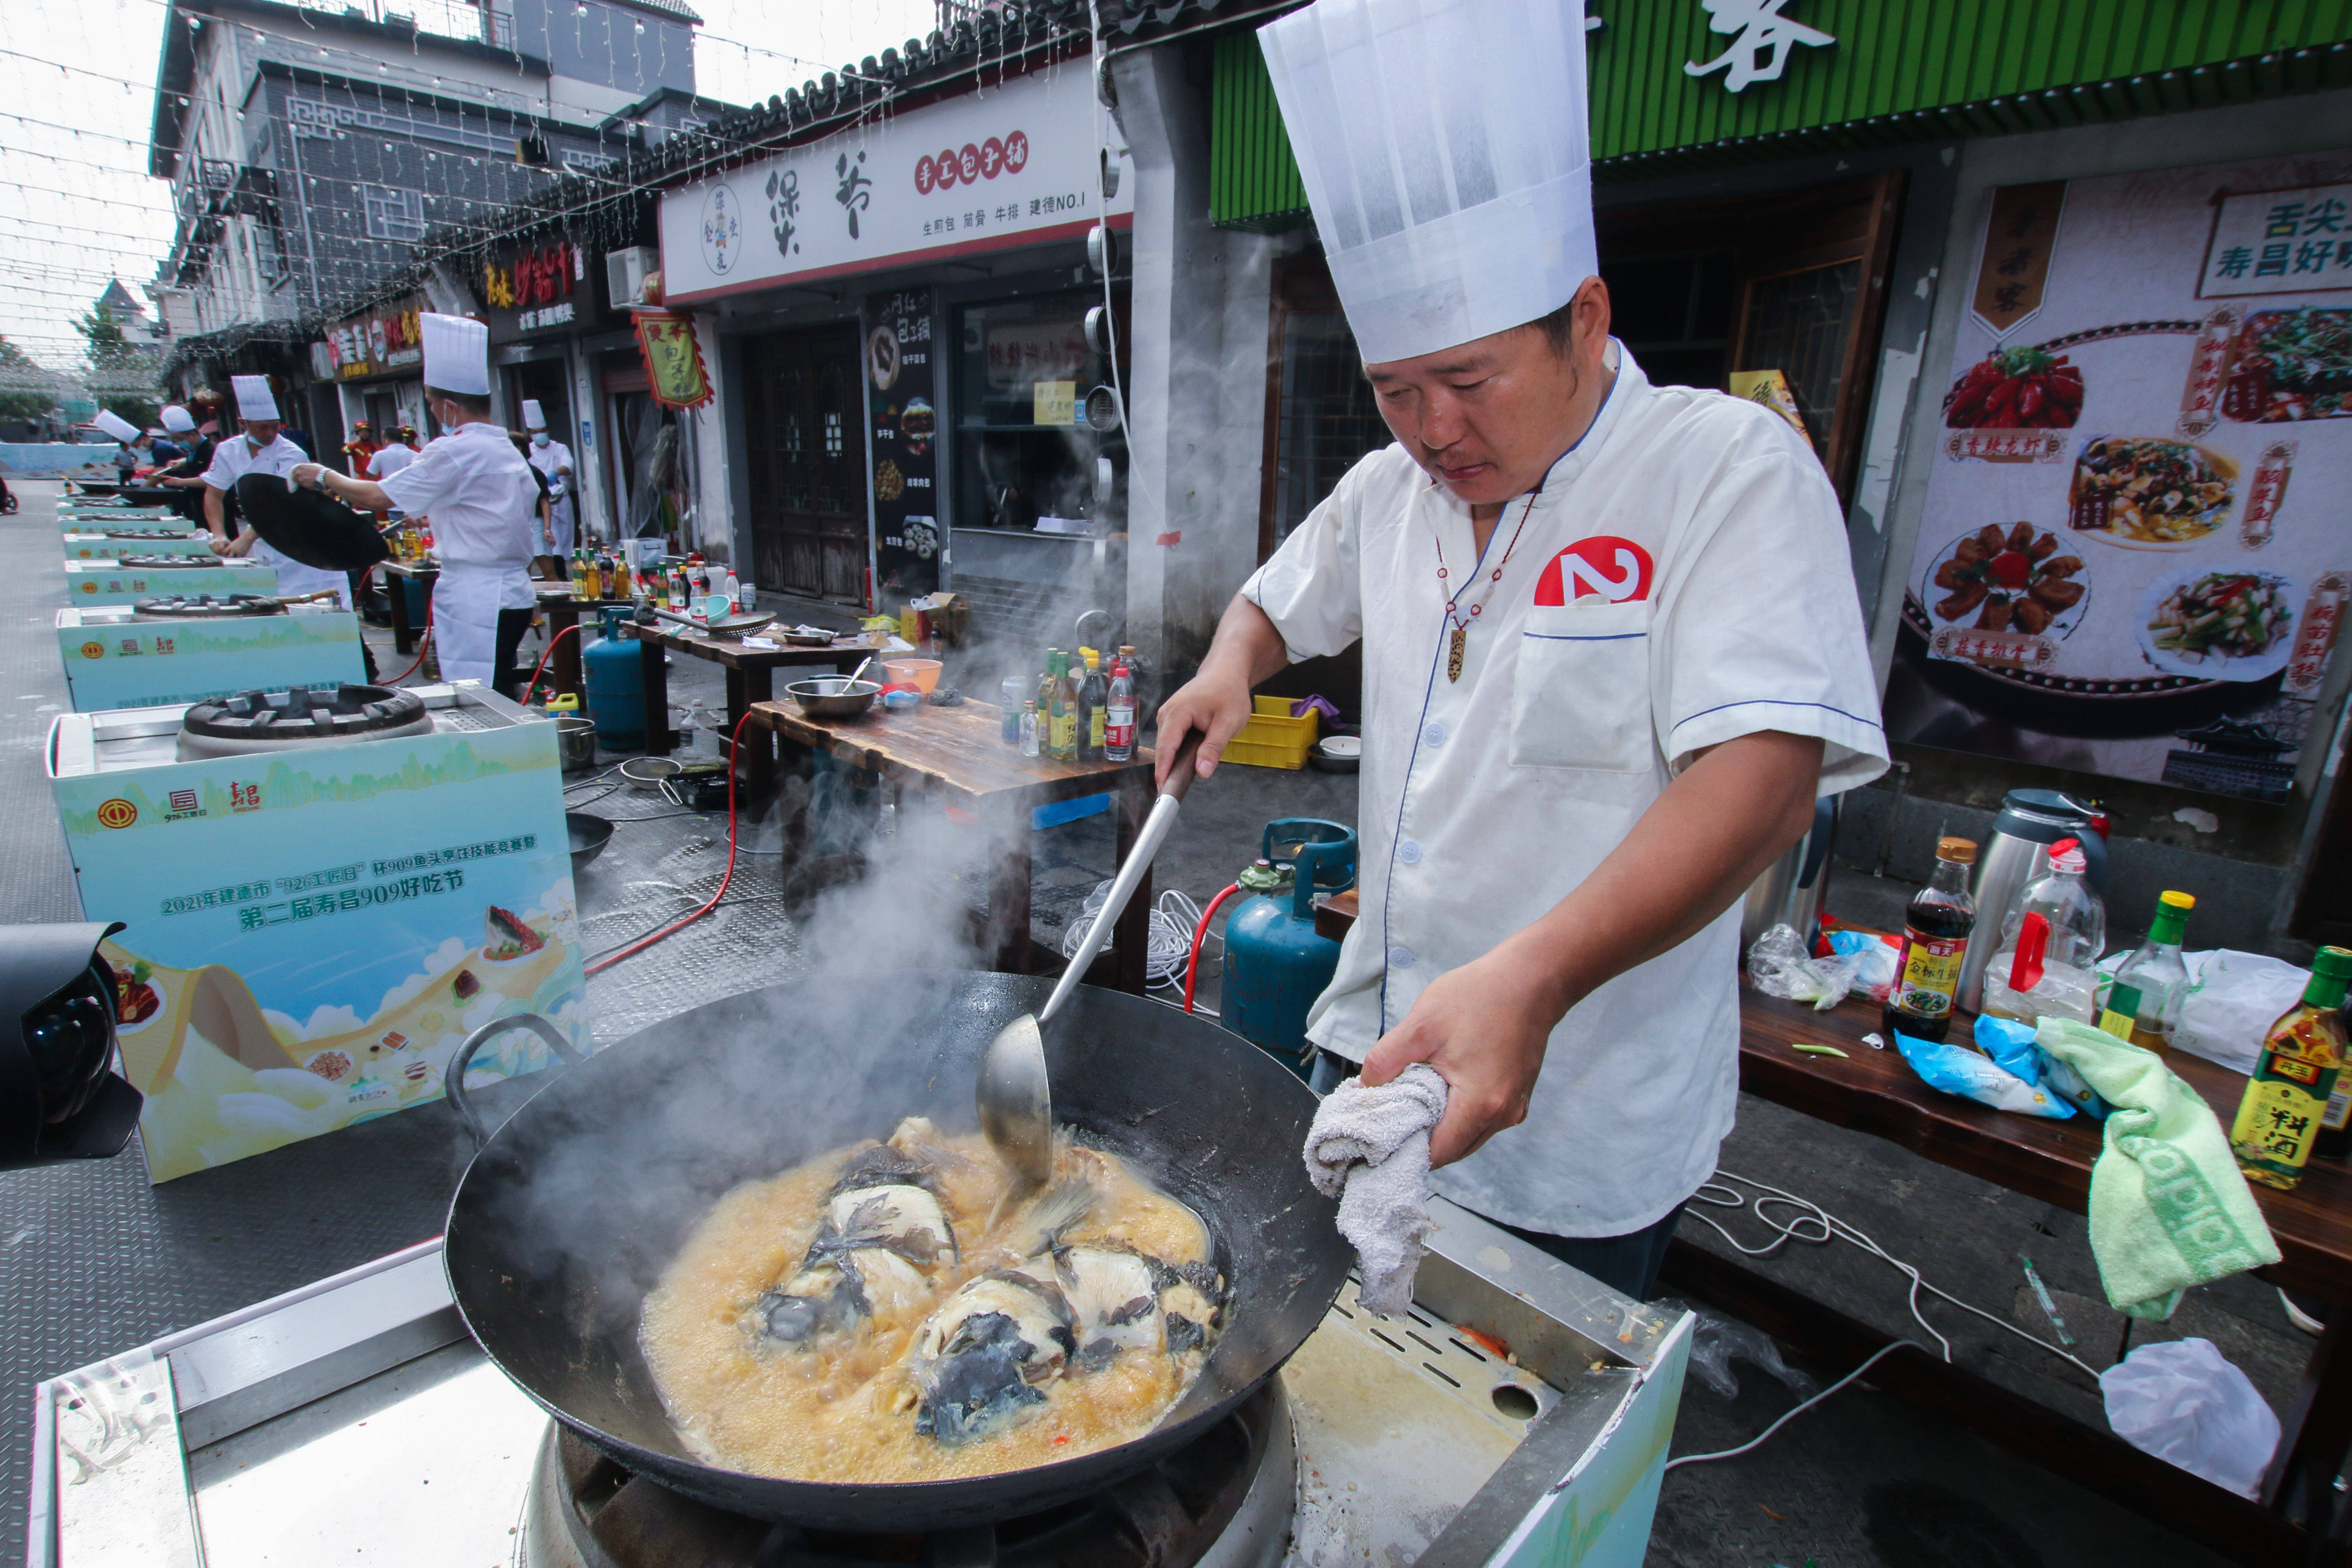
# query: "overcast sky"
[77,96]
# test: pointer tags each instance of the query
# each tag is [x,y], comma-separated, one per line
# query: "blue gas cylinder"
[617,686]
[1276,962]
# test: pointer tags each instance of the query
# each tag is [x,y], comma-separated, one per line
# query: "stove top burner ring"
[205,607]
[161,562]
[251,720]
[1221,1501]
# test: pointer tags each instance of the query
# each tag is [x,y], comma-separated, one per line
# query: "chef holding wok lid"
[484,504]
[258,448]
[1612,649]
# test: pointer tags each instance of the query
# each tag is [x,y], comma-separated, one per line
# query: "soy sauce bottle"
[1936,930]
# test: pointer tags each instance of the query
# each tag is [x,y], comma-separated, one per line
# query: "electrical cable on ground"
[1173,917]
[1758,1440]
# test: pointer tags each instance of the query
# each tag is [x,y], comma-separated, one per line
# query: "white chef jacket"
[547,460]
[389,459]
[483,505]
[1723,605]
[232,461]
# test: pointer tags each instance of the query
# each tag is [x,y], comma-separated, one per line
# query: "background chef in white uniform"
[1612,648]
[553,459]
[261,449]
[483,501]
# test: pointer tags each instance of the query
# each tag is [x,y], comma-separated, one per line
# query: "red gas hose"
[1200,934]
[422,642]
[734,748]
[544,657]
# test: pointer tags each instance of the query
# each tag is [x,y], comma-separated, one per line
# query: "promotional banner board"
[900,390]
[2134,556]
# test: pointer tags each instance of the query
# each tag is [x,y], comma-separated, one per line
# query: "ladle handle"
[453,1076]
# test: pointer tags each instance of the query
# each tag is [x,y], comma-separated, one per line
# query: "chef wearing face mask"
[260,449]
[482,499]
[553,459]
[1611,645]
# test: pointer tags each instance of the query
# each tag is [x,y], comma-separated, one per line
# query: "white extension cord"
[1173,918]
[1817,1227]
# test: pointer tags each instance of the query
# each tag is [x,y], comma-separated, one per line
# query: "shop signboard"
[540,289]
[980,172]
[385,340]
[2132,559]
[900,390]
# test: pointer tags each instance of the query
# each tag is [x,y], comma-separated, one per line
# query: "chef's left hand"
[242,545]
[1484,1027]
[306,475]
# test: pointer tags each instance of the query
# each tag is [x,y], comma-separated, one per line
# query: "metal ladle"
[1016,1104]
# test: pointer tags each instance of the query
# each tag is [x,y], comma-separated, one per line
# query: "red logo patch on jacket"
[1616,569]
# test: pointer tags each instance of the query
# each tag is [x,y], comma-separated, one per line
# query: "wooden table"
[957,758]
[396,574]
[750,680]
[1876,1091]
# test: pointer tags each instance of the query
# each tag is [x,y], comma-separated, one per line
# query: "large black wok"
[571,1210]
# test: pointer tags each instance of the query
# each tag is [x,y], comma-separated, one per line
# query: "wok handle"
[453,1077]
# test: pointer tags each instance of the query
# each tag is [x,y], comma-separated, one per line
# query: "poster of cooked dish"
[2135,551]
[312,933]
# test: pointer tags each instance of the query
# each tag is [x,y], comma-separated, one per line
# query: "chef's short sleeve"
[1311,588]
[428,480]
[1760,627]
[220,476]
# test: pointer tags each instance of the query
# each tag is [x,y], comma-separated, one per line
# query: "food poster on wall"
[312,935]
[907,537]
[2135,553]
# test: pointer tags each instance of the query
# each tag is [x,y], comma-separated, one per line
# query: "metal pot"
[1795,889]
[570,1211]
[833,696]
[575,741]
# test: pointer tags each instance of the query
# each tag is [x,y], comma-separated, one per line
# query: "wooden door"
[805,443]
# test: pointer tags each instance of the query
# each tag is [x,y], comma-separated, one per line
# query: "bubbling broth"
[871,1316]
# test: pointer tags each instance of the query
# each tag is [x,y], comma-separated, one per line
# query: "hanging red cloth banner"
[673,359]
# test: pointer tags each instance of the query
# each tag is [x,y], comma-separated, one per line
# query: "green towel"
[2168,1208]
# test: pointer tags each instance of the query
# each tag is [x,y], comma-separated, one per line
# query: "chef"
[127,438]
[186,476]
[553,459]
[1611,645]
[261,448]
[482,499]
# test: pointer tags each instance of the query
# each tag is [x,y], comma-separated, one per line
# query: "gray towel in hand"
[1370,1149]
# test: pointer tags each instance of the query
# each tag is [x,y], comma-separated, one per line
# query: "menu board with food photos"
[2135,552]
[907,538]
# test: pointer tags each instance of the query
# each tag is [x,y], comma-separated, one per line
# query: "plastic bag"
[1777,966]
[1716,1341]
[2182,1401]
[2233,999]
[1956,1069]
[2013,1049]
[1874,958]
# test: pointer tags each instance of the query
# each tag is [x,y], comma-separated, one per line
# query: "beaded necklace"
[1458,640]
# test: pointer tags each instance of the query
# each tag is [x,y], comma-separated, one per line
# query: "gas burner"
[205,607]
[276,721]
[1221,1501]
[161,562]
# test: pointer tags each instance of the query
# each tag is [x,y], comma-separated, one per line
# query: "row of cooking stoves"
[356,1418]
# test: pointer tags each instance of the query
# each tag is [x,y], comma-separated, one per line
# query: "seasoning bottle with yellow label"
[1935,940]
[2286,1100]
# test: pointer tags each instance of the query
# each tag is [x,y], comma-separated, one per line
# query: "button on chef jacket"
[1681,580]
[232,461]
[483,505]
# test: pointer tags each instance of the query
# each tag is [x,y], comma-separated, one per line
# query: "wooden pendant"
[1453,653]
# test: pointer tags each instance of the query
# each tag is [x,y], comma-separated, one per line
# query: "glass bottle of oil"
[2287,1098]
[1063,717]
[2157,972]
[1936,930]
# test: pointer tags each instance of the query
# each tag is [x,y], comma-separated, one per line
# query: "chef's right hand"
[1216,702]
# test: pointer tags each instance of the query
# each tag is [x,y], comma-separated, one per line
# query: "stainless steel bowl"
[833,696]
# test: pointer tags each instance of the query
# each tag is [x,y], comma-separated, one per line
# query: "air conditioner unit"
[625,271]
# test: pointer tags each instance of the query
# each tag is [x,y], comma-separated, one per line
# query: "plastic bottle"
[1093,693]
[621,586]
[2157,972]
[678,589]
[1010,693]
[1935,940]
[1029,726]
[2302,1054]
[2047,966]
[734,591]
[698,576]
[1119,715]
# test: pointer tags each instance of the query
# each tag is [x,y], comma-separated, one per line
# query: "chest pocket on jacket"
[1580,695]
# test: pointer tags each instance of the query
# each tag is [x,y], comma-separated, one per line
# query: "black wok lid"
[305,526]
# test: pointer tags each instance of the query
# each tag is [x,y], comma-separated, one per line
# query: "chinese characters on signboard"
[899,386]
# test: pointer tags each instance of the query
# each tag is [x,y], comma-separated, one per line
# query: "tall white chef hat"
[534,418]
[457,355]
[115,425]
[253,398]
[178,420]
[1446,153]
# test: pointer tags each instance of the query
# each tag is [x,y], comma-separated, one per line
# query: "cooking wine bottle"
[2158,973]
[1093,693]
[2294,1079]
[1935,940]
[1119,715]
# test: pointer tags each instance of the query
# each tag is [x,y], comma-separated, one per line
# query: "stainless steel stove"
[1519,1415]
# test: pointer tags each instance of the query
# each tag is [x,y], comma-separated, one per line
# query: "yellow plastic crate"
[1272,739]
